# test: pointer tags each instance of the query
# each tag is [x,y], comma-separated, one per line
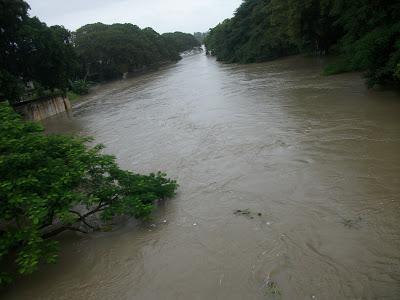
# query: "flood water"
[318,157]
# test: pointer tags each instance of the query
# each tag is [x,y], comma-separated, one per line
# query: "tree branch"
[82,219]
[60,230]
[97,209]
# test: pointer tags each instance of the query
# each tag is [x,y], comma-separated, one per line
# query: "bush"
[53,183]
[72,96]
[341,65]
[79,87]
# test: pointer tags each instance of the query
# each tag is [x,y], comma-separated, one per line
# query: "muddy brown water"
[318,157]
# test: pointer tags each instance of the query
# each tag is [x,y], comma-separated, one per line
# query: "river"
[312,162]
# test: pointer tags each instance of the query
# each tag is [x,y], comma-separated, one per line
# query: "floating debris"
[244,212]
[272,288]
[352,223]
[221,278]
[247,213]
[194,224]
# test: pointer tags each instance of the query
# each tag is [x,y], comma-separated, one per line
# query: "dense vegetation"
[36,60]
[365,34]
[180,41]
[200,36]
[109,51]
[51,183]
[30,51]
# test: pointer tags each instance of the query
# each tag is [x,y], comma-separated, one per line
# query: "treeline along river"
[289,183]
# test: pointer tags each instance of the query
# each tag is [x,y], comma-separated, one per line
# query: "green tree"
[365,33]
[109,51]
[257,32]
[13,13]
[32,52]
[200,36]
[371,39]
[180,41]
[53,183]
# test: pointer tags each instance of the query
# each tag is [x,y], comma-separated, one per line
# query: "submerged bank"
[77,100]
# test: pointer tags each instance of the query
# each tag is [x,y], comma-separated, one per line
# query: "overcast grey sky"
[161,15]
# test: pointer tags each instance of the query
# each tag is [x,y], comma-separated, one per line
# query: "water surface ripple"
[318,157]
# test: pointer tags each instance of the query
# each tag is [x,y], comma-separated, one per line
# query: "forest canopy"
[52,59]
[181,41]
[108,51]
[364,34]
[30,51]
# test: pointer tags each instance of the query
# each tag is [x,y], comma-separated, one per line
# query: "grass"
[334,69]
[340,65]
[72,96]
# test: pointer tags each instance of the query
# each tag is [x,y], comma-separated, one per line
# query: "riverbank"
[78,100]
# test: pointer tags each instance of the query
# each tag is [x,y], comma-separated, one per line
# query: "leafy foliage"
[53,183]
[32,52]
[79,87]
[109,51]
[365,33]
[180,41]
[200,36]
[266,29]
[372,38]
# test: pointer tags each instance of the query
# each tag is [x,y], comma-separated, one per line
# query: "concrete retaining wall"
[43,108]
